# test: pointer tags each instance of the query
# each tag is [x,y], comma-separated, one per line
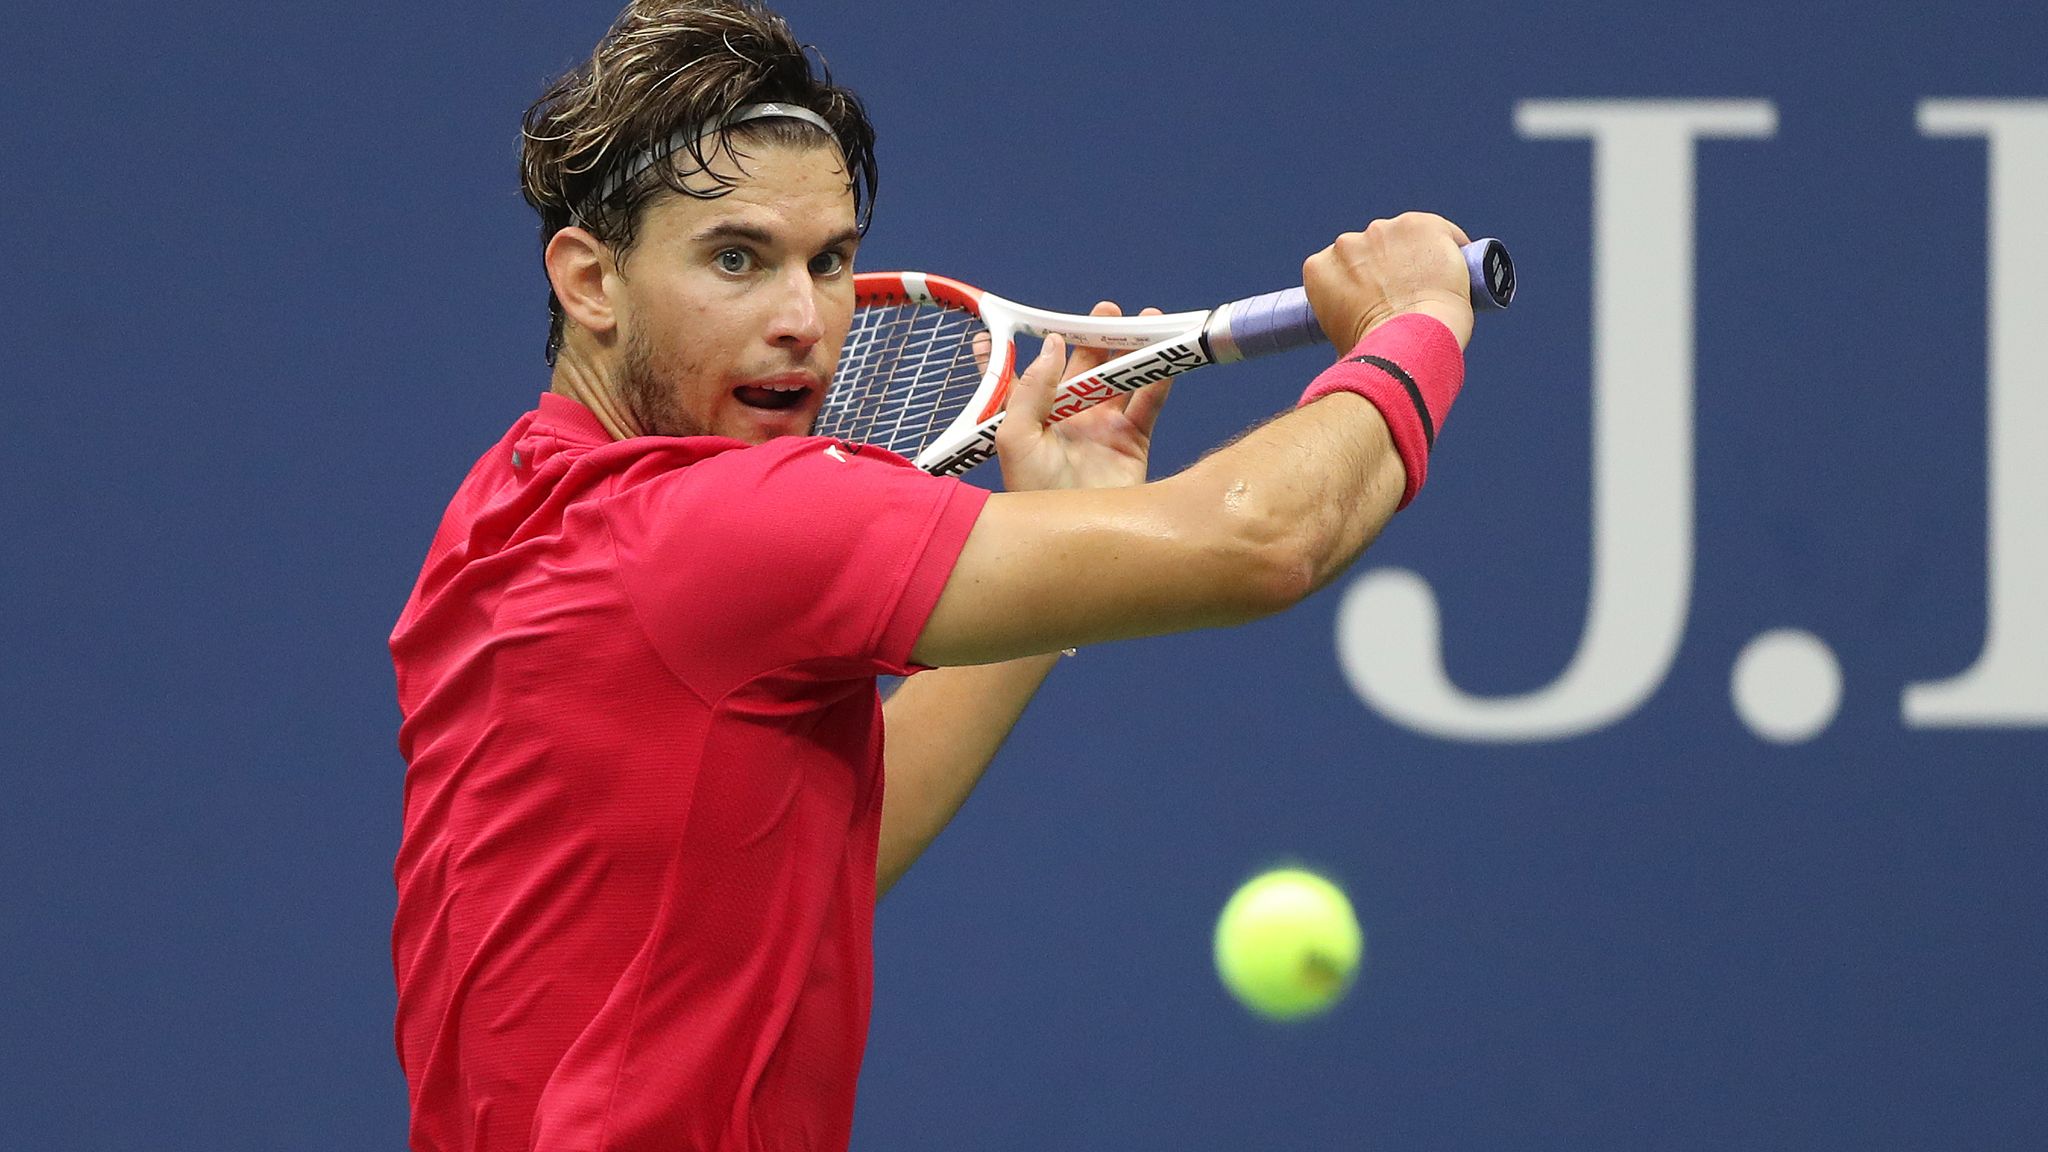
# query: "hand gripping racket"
[927,367]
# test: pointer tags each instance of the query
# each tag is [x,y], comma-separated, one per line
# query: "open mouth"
[774,399]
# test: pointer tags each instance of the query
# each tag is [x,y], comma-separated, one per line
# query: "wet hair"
[665,79]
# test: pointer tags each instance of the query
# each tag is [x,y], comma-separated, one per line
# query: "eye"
[735,260]
[828,264]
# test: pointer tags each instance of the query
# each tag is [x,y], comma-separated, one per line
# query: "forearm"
[1319,483]
[1252,529]
[1316,485]
[940,730]
[1245,533]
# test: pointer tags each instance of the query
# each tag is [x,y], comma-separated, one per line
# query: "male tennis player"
[652,793]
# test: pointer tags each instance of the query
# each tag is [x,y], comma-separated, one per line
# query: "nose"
[798,323]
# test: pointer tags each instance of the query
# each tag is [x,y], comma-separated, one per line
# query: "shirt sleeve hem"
[933,566]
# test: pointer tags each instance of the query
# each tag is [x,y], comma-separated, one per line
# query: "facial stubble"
[651,396]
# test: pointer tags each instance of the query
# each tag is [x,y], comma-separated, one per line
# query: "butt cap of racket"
[1493,274]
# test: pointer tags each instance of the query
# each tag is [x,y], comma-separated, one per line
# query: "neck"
[582,381]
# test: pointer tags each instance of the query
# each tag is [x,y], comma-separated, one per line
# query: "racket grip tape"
[1411,369]
[1262,325]
[1283,321]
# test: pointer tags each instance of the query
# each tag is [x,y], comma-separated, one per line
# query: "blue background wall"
[270,288]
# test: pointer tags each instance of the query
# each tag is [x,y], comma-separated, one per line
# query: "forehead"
[789,190]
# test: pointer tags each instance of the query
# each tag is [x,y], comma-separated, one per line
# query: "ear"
[578,264]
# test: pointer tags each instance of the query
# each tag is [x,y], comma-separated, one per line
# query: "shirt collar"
[569,420]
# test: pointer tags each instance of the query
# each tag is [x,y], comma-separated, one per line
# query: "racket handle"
[1282,321]
[1262,325]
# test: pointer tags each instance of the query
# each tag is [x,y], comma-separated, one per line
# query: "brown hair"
[664,66]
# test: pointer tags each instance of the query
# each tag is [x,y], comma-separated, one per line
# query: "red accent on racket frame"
[1001,395]
[879,289]
[951,292]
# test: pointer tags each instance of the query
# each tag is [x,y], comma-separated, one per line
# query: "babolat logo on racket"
[1493,274]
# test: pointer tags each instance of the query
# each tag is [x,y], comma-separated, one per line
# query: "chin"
[760,425]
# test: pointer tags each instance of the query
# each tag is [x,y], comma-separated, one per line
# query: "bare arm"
[1079,550]
[1250,530]
[1245,533]
[940,730]
[942,727]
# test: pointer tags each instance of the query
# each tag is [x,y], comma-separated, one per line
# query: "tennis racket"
[927,366]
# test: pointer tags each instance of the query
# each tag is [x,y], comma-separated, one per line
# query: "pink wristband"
[1410,368]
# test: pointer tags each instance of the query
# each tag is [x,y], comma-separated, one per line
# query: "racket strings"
[904,375]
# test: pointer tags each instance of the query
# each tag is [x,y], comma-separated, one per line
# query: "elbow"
[1285,572]
[1273,559]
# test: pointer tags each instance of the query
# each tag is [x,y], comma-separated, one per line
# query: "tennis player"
[652,793]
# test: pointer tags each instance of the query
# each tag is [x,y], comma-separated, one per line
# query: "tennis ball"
[1288,944]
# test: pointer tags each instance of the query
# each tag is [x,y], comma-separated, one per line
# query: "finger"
[1142,409]
[1089,359]
[982,344]
[1032,392]
[1121,401]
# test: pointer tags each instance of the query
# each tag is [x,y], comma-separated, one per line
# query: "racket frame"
[1155,348]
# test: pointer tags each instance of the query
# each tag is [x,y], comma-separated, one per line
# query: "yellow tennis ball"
[1288,944]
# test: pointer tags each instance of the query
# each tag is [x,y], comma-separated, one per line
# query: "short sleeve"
[798,554]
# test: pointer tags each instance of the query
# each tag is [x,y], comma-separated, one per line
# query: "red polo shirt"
[644,785]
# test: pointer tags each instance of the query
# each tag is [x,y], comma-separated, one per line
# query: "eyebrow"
[761,237]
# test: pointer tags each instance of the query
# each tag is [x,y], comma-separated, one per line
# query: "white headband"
[686,135]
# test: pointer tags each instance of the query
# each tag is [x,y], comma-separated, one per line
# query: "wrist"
[1410,367]
[1454,315]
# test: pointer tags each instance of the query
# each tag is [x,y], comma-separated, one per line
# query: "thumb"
[1033,392]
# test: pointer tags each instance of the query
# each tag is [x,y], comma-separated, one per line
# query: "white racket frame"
[1158,348]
